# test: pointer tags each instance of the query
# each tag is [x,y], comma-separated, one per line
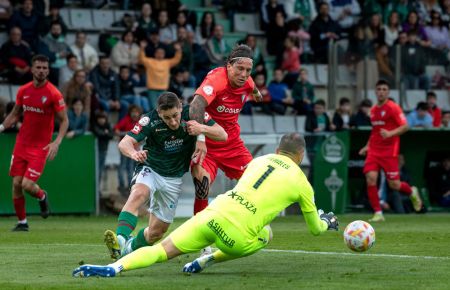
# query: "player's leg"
[19,205]
[370,170]
[203,176]
[41,195]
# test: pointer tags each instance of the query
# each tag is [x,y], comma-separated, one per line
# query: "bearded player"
[39,101]
[388,123]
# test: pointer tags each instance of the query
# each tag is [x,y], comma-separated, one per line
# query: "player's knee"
[27,185]
[154,234]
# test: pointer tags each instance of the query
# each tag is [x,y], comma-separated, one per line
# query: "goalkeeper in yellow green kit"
[238,220]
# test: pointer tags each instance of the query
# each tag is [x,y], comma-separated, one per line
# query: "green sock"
[139,241]
[126,224]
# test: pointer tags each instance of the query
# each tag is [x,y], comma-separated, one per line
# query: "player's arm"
[63,126]
[197,109]
[127,147]
[214,132]
[363,151]
[396,132]
[12,118]
[315,225]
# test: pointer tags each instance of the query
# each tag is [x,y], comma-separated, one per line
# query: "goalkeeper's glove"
[330,219]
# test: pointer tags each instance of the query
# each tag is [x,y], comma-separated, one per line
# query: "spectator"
[317,120]
[78,120]
[181,21]
[186,64]
[86,54]
[66,72]
[167,33]
[258,58]
[362,117]
[78,88]
[107,87]
[446,12]
[425,9]
[54,16]
[344,12]
[412,24]
[206,28]
[127,22]
[279,92]
[5,13]
[437,33]
[127,93]
[125,52]
[145,23]
[102,130]
[155,43]
[402,7]
[27,19]
[341,118]
[15,55]
[177,83]
[158,71]
[126,165]
[323,30]
[440,184]
[172,7]
[392,28]
[420,118]
[277,32]
[414,76]
[217,48]
[433,109]
[446,120]
[201,59]
[264,105]
[269,10]
[385,67]
[303,94]
[291,61]
[304,10]
[301,37]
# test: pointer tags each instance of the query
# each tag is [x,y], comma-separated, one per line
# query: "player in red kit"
[222,95]
[39,101]
[388,123]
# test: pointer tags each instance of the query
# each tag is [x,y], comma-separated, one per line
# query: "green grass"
[45,257]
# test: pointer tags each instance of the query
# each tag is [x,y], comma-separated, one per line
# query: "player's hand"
[52,150]
[139,156]
[330,219]
[199,153]
[194,128]
[257,95]
[385,133]
[363,151]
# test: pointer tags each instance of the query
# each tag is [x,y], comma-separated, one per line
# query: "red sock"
[199,205]
[372,192]
[19,207]
[405,188]
[39,195]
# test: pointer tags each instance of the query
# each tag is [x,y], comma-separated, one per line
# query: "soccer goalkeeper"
[238,220]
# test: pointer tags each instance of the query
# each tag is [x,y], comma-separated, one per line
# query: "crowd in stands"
[164,46]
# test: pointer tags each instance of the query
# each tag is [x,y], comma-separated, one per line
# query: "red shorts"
[233,162]
[389,164]
[28,162]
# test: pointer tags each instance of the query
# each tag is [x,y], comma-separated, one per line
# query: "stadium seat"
[102,18]
[92,39]
[300,120]
[5,93]
[3,37]
[81,18]
[248,23]
[70,38]
[285,124]
[14,89]
[192,3]
[322,74]
[226,23]
[412,98]
[118,14]
[65,15]
[263,124]
[245,122]
[269,149]
[113,154]
[371,96]
[345,77]
[187,92]
[443,99]
[312,75]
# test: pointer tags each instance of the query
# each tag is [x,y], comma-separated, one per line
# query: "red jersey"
[224,103]
[125,124]
[39,107]
[389,116]
[437,116]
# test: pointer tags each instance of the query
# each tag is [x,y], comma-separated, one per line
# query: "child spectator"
[303,93]
[362,117]
[434,110]
[102,130]
[78,121]
[127,94]
[260,83]
[278,90]
[341,118]
[446,120]
[318,120]
[291,61]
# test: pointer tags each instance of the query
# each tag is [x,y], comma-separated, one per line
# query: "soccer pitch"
[411,251]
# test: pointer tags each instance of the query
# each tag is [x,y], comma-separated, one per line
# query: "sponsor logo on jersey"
[223,109]
[220,233]
[144,121]
[137,129]
[160,129]
[174,145]
[44,99]
[32,109]
[248,205]
[378,123]
[208,90]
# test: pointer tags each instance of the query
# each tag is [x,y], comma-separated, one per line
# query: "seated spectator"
[414,76]
[5,13]
[341,117]
[78,121]
[392,29]
[217,48]
[420,118]
[291,61]
[362,117]
[301,37]
[446,120]
[277,32]
[66,72]
[78,88]
[127,22]
[385,67]
[412,24]
[186,64]
[127,93]
[278,90]
[425,9]
[433,109]
[107,87]
[200,59]
[102,130]
[303,94]
[318,120]
[145,23]
[265,104]
[205,29]
[54,16]
[126,165]
[437,33]
[258,58]
[27,19]
[125,52]
[402,7]
[181,21]
[269,8]
[345,13]
[86,54]
[158,71]
[15,56]
[167,33]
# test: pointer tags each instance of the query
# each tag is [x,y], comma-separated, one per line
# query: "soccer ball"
[359,236]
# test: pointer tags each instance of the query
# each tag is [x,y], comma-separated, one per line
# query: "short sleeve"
[211,85]
[19,97]
[141,129]
[398,115]
[58,101]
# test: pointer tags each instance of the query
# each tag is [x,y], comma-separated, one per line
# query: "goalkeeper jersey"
[269,184]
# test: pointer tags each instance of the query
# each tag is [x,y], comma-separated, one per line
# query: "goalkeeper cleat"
[87,270]
[205,251]
[43,204]
[20,228]
[377,217]
[415,199]
[192,267]
[112,243]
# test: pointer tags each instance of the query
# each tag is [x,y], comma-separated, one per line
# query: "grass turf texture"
[45,257]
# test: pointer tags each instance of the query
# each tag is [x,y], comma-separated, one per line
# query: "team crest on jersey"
[137,129]
[144,121]
[383,113]
[44,99]
[243,98]
[208,90]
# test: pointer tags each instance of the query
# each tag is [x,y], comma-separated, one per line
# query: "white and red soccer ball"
[359,236]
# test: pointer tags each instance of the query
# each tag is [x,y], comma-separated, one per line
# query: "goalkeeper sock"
[139,241]
[143,257]
[405,188]
[126,224]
